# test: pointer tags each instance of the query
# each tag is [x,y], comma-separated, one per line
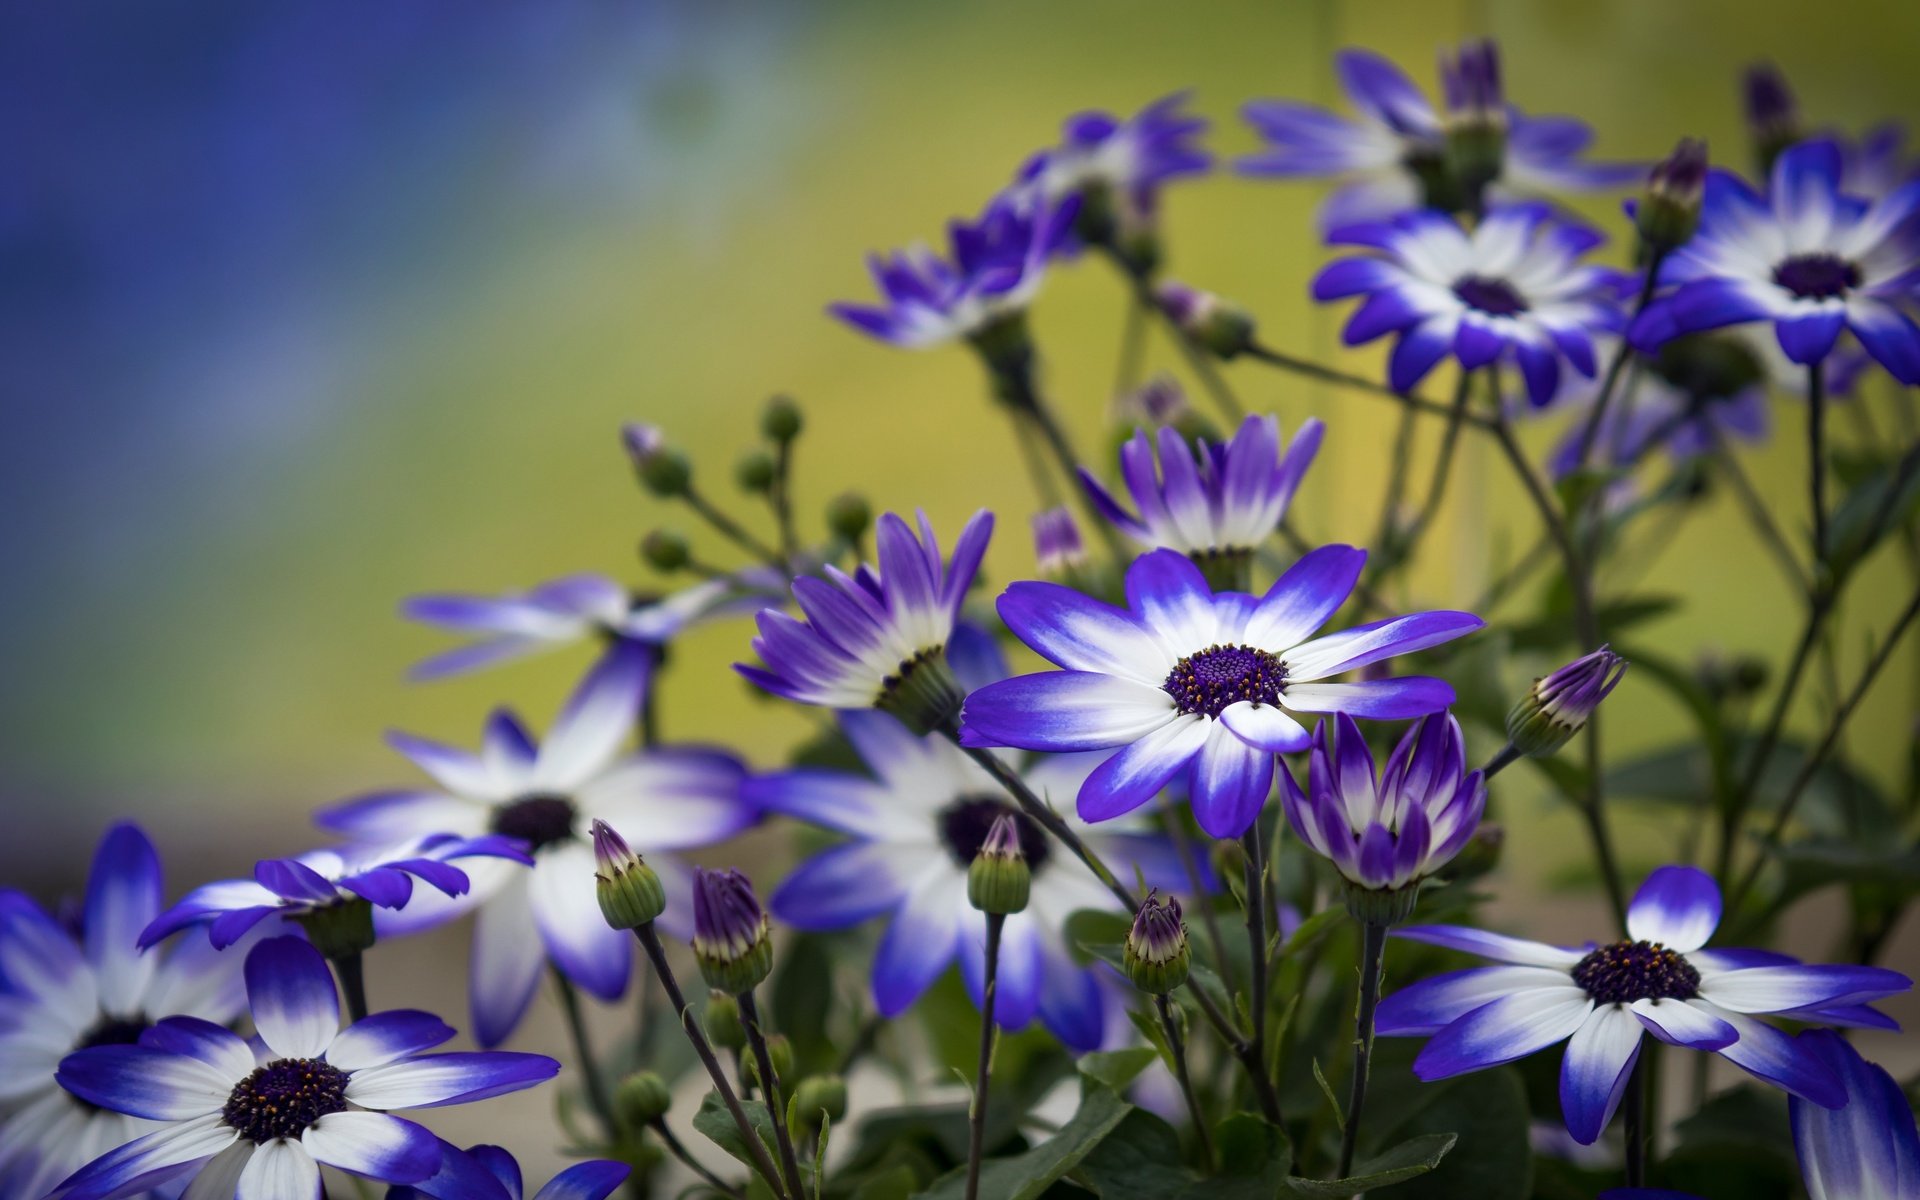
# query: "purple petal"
[1080,633]
[1868,1147]
[1809,337]
[123,897]
[843,886]
[1684,1023]
[1511,1027]
[1265,727]
[1304,597]
[1064,710]
[1229,783]
[373,1144]
[919,943]
[1137,773]
[1431,1004]
[1492,945]
[586,1181]
[1785,989]
[1366,644]
[1678,907]
[291,993]
[1375,699]
[143,1081]
[385,1036]
[1593,1075]
[1768,1054]
[433,1080]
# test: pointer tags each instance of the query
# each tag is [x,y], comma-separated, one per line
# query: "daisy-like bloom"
[63,989]
[1215,504]
[1116,166]
[260,1123]
[490,1173]
[1392,155]
[1601,998]
[1868,1149]
[1385,831]
[546,796]
[915,828]
[322,881]
[1512,289]
[1806,258]
[875,638]
[1186,683]
[996,265]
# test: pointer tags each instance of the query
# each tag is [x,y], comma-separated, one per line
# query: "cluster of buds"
[1669,209]
[1157,954]
[731,933]
[999,880]
[629,892]
[1215,325]
[1476,120]
[1558,705]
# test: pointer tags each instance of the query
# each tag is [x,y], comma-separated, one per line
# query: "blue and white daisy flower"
[261,1121]
[546,795]
[1511,289]
[1211,503]
[1806,258]
[1383,157]
[1117,165]
[915,826]
[997,264]
[64,989]
[1867,1149]
[297,887]
[490,1173]
[1184,683]
[1599,999]
[873,637]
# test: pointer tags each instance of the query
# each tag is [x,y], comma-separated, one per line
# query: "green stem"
[598,1097]
[731,529]
[770,1085]
[1177,1049]
[679,1151]
[1399,551]
[1133,343]
[983,1076]
[1817,458]
[782,497]
[353,983]
[1636,1132]
[1621,355]
[1256,919]
[1373,952]
[1508,755]
[1373,387]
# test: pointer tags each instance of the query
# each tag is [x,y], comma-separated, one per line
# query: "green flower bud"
[849,516]
[1669,209]
[754,473]
[1157,955]
[1208,321]
[731,932]
[780,1050]
[819,1094]
[665,551]
[643,1098]
[781,422]
[629,892]
[1558,705]
[723,1021]
[998,880]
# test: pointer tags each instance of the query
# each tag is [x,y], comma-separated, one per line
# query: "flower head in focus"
[1187,683]
[1511,289]
[1601,998]
[491,1173]
[263,1121]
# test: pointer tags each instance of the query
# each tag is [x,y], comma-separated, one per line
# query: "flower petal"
[598,717]
[1593,1075]
[373,1144]
[1265,727]
[1082,634]
[1431,1004]
[385,1036]
[1765,1052]
[586,1181]
[1492,945]
[919,942]
[1685,1023]
[123,897]
[1172,599]
[1374,699]
[166,1153]
[1869,1146]
[507,958]
[295,1007]
[433,1080]
[143,1081]
[1064,710]
[566,910]
[1784,989]
[1511,1027]
[279,1170]
[1678,907]
[848,884]
[1302,599]
[1229,783]
[1136,774]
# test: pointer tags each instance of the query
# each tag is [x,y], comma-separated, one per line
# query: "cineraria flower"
[1186,683]
[573,609]
[1391,156]
[1599,999]
[321,880]
[875,638]
[490,1173]
[1116,166]
[63,989]
[1512,288]
[1219,509]
[263,1123]
[998,262]
[1806,258]
[546,796]
[1386,832]
[915,829]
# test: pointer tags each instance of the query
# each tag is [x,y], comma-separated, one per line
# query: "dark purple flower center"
[1817,276]
[1629,971]
[1495,296]
[964,825]
[539,821]
[283,1098]
[1209,681]
[113,1031]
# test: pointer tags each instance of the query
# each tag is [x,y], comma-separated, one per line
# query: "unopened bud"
[643,442]
[1773,115]
[665,551]
[663,470]
[999,880]
[1476,120]
[643,1098]
[1558,705]
[754,472]
[1669,210]
[629,892]
[723,1021]
[780,1050]
[1157,954]
[731,933]
[849,516]
[781,422]
[1057,548]
[817,1095]
[1208,321]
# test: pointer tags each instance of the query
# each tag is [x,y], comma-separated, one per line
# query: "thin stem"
[649,940]
[1256,950]
[1044,488]
[1757,514]
[1817,457]
[1508,755]
[731,529]
[1184,847]
[1015,386]
[1396,493]
[679,1151]
[977,1113]
[1636,1131]
[598,1096]
[1373,952]
[1621,355]
[1313,370]
[782,498]
[353,982]
[1399,550]
[1133,344]
[770,1084]
[1178,1050]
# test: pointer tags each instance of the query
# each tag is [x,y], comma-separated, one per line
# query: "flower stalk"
[1373,949]
[770,1085]
[983,1075]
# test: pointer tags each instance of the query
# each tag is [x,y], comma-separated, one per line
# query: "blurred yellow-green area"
[319,309]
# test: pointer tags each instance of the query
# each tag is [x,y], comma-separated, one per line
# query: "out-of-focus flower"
[490,1173]
[1558,704]
[1876,164]
[1669,209]
[1058,550]
[546,796]
[1217,326]
[263,1121]
[731,932]
[1116,166]
[1512,289]
[1184,683]
[1866,1149]
[1600,999]
[1805,258]
[1773,115]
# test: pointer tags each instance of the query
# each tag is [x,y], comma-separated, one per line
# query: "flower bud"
[1476,120]
[849,516]
[663,470]
[643,442]
[629,892]
[731,933]
[1669,210]
[1057,547]
[779,1050]
[339,930]
[1208,321]
[665,551]
[1157,954]
[1773,115]
[1558,705]
[781,422]
[643,1098]
[723,1021]
[999,880]
[819,1094]
[754,473]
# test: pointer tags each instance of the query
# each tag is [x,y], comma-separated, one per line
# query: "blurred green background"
[314,306]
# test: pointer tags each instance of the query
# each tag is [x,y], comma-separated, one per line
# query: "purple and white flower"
[914,828]
[1121,163]
[1387,830]
[491,1173]
[1184,683]
[1384,158]
[296,887]
[1511,289]
[546,795]
[64,989]
[1599,999]
[261,1120]
[1867,1149]
[1209,501]
[996,265]
[1806,258]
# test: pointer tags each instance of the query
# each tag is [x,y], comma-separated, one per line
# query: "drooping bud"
[723,1021]
[781,422]
[1057,548]
[629,892]
[849,516]
[1773,115]
[1558,705]
[1157,954]
[1208,321]
[1476,120]
[663,470]
[780,1050]
[665,551]
[1669,209]
[731,933]
[754,472]
[818,1094]
[999,880]
[643,1098]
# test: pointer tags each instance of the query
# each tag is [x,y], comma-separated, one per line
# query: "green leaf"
[1406,1161]
[802,996]
[893,1183]
[1117,1068]
[1025,1176]
[1817,862]
[1312,930]
[1141,1161]
[1882,502]
[1837,797]
[1493,1159]
[718,1125]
